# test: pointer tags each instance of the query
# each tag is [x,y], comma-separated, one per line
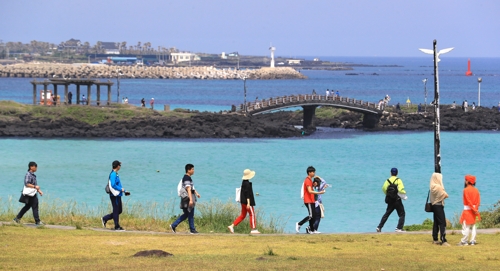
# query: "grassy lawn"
[89,114]
[27,248]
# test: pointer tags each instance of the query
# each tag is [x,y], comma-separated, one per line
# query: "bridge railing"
[283,100]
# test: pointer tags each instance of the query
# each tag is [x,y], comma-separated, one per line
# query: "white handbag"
[237,198]
[29,191]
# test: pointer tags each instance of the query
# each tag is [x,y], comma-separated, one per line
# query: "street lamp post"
[425,94]
[479,80]
[437,136]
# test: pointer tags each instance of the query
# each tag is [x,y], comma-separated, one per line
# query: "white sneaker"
[317,232]
[255,232]
[230,228]
[297,227]
[400,230]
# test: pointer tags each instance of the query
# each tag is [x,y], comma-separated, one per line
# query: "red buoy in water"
[468,72]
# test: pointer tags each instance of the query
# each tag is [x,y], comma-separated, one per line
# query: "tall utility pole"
[245,91]
[437,123]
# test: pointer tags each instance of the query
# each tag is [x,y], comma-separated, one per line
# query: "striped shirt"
[30,178]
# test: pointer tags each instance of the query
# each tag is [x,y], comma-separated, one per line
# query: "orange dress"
[472,199]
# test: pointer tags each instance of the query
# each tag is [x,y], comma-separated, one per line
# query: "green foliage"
[215,216]
[491,217]
[212,216]
[426,225]
[327,112]
[269,252]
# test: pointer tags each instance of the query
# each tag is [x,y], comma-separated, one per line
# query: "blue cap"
[394,171]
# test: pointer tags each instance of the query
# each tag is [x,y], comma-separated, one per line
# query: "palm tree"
[139,47]
[99,45]
[123,47]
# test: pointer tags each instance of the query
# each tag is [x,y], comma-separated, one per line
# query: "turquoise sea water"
[355,163]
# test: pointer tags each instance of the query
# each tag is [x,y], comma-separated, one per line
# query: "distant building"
[183,57]
[316,59]
[111,48]
[71,45]
[223,55]
[294,61]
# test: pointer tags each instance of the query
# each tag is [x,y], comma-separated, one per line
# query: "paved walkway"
[60,227]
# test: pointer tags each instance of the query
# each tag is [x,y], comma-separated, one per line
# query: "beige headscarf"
[437,189]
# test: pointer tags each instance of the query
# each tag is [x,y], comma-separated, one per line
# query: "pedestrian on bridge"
[327,93]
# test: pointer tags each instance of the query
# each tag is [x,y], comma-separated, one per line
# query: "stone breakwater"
[451,120]
[202,125]
[84,71]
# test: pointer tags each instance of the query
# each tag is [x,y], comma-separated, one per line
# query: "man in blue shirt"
[117,191]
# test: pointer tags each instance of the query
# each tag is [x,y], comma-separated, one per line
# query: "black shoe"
[103,222]
[172,228]
[119,229]
[39,223]
[16,220]
[308,230]
[193,232]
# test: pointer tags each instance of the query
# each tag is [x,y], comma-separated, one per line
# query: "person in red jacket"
[470,214]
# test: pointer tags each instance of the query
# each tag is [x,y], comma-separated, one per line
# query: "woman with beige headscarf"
[437,196]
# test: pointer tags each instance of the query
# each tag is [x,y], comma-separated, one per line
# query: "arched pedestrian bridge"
[309,102]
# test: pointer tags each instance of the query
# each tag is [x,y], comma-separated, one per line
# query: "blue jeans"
[188,215]
[116,202]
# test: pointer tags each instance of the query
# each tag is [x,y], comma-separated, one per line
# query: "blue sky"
[295,27]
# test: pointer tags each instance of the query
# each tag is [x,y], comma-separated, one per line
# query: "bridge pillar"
[309,111]
[370,120]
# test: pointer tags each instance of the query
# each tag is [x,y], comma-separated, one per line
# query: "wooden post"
[109,93]
[34,92]
[77,93]
[45,93]
[55,93]
[65,94]
[98,94]
[88,93]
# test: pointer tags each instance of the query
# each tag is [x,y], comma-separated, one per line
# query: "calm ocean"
[355,163]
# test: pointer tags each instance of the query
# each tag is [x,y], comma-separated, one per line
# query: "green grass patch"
[92,115]
[210,217]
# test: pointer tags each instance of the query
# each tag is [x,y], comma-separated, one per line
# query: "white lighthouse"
[272,49]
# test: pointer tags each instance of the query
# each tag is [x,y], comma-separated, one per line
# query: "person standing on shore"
[393,199]
[31,182]
[187,205]
[70,97]
[437,196]
[117,191]
[308,196]
[152,103]
[143,102]
[470,214]
[247,201]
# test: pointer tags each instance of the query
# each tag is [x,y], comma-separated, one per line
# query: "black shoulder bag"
[428,205]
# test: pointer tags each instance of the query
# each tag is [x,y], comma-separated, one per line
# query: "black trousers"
[310,208]
[116,202]
[398,206]
[33,204]
[439,223]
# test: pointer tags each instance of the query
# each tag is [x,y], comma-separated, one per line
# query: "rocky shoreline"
[451,120]
[215,125]
[84,71]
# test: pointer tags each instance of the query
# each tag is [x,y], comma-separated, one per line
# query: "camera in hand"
[127,193]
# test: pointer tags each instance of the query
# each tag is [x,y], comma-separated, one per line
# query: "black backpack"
[392,191]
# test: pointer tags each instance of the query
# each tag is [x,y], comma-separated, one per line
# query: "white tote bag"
[29,191]
[238,192]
